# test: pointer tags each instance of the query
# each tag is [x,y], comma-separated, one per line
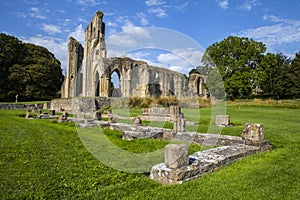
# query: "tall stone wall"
[73,80]
[95,51]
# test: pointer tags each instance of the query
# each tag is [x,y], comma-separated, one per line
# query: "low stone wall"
[78,105]
[19,106]
[59,104]
[161,114]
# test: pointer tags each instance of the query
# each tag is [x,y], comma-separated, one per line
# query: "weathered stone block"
[179,125]
[222,120]
[253,133]
[176,156]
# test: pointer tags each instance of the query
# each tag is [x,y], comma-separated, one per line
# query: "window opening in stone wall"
[115,85]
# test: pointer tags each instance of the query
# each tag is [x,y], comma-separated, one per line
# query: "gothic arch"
[200,86]
[113,91]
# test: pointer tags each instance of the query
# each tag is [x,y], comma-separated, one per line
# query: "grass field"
[44,160]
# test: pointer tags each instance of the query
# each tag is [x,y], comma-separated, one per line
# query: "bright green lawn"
[40,159]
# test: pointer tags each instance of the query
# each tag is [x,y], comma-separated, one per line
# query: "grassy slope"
[48,160]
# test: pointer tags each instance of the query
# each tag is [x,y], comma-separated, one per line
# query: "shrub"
[168,101]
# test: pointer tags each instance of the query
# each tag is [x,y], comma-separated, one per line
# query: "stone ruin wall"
[73,80]
[79,105]
[137,78]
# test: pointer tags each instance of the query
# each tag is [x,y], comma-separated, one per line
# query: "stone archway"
[199,86]
[115,84]
[196,84]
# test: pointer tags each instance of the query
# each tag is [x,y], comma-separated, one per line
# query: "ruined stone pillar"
[176,156]
[253,134]
[179,124]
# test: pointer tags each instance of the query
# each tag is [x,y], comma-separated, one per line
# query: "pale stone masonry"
[176,156]
[137,78]
[222,120]
[201,162]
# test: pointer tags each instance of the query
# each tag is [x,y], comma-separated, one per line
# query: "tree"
[31,71]
[236,59]
[12,51]
[273,76]
[295,76]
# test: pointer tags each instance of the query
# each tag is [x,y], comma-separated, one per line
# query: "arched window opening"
[97,93]
[115,89]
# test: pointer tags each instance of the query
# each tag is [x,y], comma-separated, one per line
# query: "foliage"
[273,76]
[42,160]
[29,70]
[146,102]
[294,75]
[141,102]
[247,71]
[266,103]
[236,59]
[11,52]
[168,101]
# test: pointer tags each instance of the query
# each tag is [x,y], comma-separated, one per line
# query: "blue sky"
[50,23]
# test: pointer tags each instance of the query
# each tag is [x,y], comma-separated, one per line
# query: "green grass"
[44,160]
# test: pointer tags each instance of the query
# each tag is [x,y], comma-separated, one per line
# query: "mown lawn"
[45,160]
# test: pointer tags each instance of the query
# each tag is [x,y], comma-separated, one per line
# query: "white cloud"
[249,4]
[181,7]
[133,30]
[31,1]
[83,20]
[78,34]
[159,12]
[182,60]
[157,7]
[223,4]
[143,19]
[51,28]
[35,13]
[88,2]
[111,24]
[281,32]
[154,2]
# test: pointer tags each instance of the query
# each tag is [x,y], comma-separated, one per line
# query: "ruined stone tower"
[136,78]
[73,80]
[94,52]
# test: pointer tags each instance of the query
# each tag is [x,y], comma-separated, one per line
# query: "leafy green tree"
[31,71]
[12,51]
[295,76]
[236,59]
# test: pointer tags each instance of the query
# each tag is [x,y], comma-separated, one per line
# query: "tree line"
[246,70]
[28,70]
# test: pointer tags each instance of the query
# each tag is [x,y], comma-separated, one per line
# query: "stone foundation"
[180,167]
[200,163]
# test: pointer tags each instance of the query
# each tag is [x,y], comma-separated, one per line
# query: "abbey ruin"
[89,72]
